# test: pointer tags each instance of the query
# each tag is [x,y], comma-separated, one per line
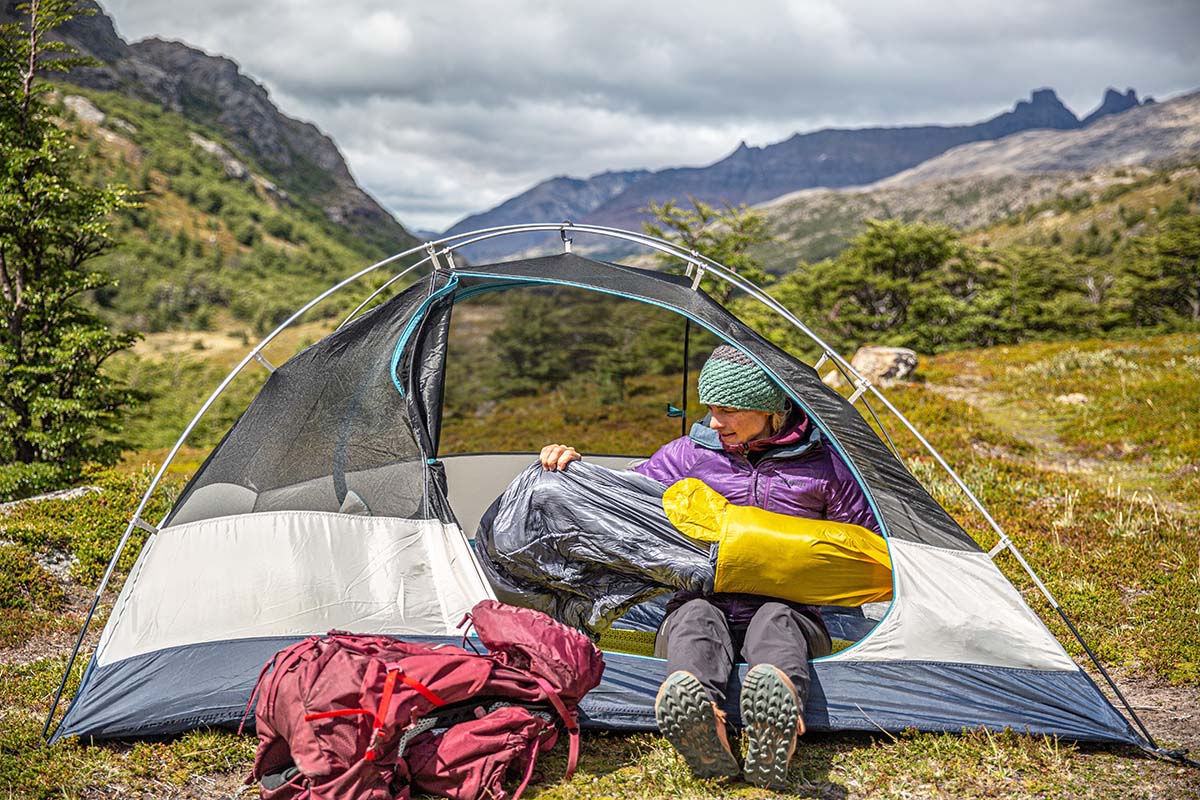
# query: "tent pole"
[1108,679]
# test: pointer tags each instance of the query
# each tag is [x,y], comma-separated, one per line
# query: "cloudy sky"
[447,107]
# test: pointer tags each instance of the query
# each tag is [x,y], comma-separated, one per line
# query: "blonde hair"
[778,420]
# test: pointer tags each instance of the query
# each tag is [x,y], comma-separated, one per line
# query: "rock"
[1073,399]
[62,494]
[84,110]
[233,168]
[879,365]
[58,563]
[128,127]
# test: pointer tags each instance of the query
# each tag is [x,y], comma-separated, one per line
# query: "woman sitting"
[755,449]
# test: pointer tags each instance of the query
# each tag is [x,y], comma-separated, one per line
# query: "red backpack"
[350,716]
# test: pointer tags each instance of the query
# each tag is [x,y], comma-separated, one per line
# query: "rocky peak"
[1113,103]
[1042,110]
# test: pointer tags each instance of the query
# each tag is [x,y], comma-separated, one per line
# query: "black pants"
[699,638]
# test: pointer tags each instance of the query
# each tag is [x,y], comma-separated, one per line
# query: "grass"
[1090,493]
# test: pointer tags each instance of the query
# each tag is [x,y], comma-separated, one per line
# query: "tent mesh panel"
[331,429]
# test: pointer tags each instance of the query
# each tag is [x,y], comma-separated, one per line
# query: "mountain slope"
[980,184]
[1136,137]
[212,91]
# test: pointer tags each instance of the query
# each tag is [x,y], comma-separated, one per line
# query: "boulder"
[879,365]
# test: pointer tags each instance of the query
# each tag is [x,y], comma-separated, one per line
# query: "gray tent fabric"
[585,544]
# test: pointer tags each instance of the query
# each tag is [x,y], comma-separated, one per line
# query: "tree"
[1165,274]
[725,236]
[55,404]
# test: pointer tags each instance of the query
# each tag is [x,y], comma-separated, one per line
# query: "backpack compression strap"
[568,719]
[385,702]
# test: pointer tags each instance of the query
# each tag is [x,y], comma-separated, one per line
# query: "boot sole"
[685,717]
[771,714]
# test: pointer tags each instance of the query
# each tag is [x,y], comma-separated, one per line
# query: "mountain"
[980,184]
[242,215]
[213,91]
[554,200]
[1114,103]
[825,158]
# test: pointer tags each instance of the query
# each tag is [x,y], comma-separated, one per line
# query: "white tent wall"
[293,573]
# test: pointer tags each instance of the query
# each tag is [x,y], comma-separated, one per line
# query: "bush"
[246,233]
[24,583]
[18,481]
[279,226]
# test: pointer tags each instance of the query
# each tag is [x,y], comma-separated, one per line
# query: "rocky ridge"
[1136,137]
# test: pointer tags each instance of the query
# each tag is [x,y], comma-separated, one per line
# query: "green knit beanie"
[729,378]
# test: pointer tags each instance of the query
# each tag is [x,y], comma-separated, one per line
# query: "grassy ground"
[1099,493]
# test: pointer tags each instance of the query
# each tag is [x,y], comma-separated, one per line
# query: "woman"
[755,449]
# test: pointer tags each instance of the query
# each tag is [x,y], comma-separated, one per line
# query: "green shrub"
[26,480]
[24,583]
[246,233]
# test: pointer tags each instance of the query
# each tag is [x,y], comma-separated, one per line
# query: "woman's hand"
[557,456]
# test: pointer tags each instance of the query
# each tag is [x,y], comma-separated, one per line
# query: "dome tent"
[328,504]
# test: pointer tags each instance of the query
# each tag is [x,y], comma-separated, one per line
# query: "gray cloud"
[447,108]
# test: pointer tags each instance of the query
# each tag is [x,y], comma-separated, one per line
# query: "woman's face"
[738,425]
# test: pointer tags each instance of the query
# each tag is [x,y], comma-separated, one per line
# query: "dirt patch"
[1170,713]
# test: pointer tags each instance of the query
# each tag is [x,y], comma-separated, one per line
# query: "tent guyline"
[443,278]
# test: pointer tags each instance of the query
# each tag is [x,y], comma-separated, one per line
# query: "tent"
[329,504]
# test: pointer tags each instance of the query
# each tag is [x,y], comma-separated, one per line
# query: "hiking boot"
[694,726]
[771,714]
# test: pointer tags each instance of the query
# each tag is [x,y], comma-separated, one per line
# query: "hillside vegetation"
[214,242]
[1109,254]
[816,224]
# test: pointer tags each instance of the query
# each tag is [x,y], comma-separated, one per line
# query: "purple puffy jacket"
[800,479]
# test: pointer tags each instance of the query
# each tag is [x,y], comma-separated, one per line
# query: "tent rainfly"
[328,504]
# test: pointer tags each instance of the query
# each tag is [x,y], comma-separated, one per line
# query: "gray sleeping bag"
[585,544]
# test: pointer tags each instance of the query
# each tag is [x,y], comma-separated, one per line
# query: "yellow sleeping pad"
[619,640]
[804,560]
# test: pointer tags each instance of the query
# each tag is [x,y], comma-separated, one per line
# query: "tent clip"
[433,259]
[566,240]
[260,358]
[860,387]
[146,526]
[698,277]
[1000,545]
[820,362]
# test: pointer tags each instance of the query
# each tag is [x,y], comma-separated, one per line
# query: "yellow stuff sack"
[804,560]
